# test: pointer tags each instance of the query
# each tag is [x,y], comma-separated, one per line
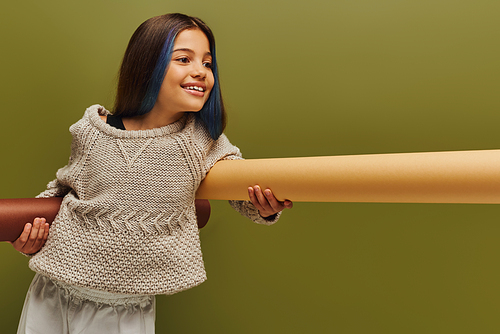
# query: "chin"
[195,109]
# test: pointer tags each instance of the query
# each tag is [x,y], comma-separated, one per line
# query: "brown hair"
[146,59]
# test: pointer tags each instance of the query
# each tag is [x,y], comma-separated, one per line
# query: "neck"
[151,120]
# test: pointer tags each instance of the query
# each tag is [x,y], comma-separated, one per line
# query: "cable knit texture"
[127,223]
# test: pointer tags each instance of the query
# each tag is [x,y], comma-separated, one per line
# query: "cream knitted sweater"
[127,223]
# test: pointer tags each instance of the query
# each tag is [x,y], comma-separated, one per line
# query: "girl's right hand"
[33,237]
[266,202]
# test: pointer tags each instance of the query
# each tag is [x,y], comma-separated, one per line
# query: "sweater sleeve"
[61,185]
[247,209]
[54,189]
[222,149]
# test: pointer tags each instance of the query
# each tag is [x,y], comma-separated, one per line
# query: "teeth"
[199,89]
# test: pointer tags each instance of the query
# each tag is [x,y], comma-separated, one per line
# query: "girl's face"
[189,78]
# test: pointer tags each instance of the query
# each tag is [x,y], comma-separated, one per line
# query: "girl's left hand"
[265,201]
[33,237]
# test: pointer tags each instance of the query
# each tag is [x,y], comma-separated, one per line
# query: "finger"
[288,204]
[263,201]
[33,234]
[39,238]
[23,239]
[273,202]
[41,231]
[19,242]
[253,199]
[46,234]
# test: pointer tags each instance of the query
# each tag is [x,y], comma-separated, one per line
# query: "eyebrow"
[189,50]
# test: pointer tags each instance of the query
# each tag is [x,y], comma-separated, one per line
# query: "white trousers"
[52,307]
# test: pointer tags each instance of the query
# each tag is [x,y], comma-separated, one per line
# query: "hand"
[33,237]
[265,201]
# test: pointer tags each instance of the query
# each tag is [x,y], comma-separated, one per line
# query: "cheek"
[164,95]
[210,81]
[171,78]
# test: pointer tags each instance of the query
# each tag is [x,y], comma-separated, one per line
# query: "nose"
[198,71]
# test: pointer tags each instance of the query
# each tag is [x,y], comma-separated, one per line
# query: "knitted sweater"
[127,223]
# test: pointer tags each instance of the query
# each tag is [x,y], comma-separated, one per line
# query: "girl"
[126,229]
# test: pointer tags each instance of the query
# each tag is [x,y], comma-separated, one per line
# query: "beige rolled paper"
[431,177]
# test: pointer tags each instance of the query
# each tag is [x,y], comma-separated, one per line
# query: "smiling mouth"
[199,89]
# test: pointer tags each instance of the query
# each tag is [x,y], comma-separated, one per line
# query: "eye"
[208,64]
[183,60]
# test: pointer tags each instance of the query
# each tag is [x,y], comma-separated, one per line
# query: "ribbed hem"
[98,297]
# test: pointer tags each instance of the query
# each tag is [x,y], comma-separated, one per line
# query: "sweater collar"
[93,112]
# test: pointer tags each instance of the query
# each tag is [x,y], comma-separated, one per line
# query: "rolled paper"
[203,210]
[431,177]
[16,212]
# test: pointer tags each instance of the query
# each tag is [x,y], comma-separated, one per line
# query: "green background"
[300,79]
